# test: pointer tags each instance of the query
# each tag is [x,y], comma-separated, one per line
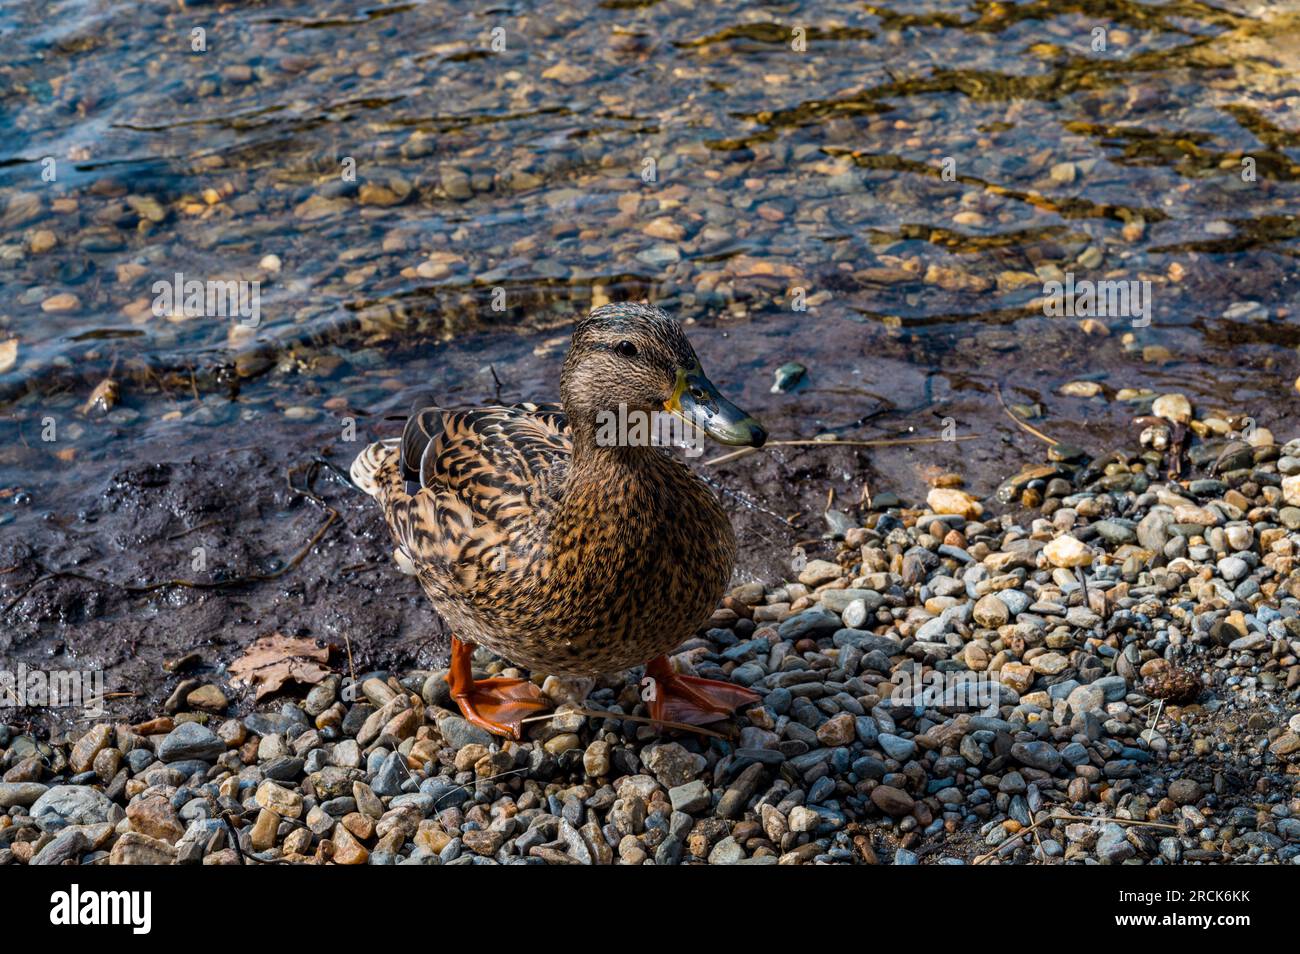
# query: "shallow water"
[523,171]
[883,205]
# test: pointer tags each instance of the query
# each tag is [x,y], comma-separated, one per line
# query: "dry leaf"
[271,661]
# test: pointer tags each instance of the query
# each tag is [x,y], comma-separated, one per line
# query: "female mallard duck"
[546,535]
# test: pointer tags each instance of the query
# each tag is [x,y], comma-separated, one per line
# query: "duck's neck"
[603,466]
[610,479]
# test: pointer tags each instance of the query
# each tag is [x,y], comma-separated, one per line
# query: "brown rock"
[361,826]
[42,241]
[1016,675]
[154,816]
[837,730]
[134,848]
[160,726]
[1285,744]
[347,850]
[278,799]
[209,698]
[106,764]
[264,829]
[88,746]
[485,843]
[892,801]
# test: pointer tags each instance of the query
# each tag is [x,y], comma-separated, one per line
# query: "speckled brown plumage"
[557,553]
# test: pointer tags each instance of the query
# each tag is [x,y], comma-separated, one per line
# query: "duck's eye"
[626,348]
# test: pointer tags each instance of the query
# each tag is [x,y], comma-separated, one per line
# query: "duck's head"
[633,358]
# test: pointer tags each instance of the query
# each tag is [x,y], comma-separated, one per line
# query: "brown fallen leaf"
[273,660]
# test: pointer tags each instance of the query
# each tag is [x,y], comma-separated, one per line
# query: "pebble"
[284,802]
[190,740]
[818,572]
[65,805]
[892,801]
[948,500]
[63,302]
[671,764]
[1173,407]
[20,794]
[991,611]
[1113,846]
[1067,551]
[690,798]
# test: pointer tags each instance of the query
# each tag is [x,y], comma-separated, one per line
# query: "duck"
[571,539]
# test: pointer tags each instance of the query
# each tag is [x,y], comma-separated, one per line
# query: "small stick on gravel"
[602,714]
[1018,836]
[1039,842]
[477,782]
[1136,823]
[1155,720]
[234,837]
[1083,586]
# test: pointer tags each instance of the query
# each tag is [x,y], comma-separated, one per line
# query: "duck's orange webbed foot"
[673,697]
[497,705]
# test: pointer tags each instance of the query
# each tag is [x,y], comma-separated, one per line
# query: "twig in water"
[746,500]
[1032,430]
[878,442]
[194,529]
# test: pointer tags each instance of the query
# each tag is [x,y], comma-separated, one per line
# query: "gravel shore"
[1129,646]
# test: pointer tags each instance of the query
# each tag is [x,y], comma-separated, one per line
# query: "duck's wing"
[476,488]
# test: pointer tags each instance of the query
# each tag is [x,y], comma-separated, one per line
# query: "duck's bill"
[699,403]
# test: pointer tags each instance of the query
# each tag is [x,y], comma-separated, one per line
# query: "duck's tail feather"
[366,467]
